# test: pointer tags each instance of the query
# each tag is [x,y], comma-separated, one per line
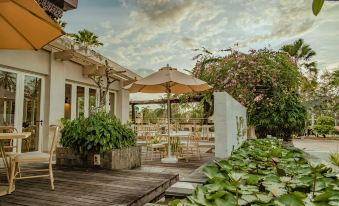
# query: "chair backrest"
[194,138]
[54,140]
[9,145]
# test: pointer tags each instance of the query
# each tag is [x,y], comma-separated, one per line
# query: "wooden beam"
[93,69]
[66,55]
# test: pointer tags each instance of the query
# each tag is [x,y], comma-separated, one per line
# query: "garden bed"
[264,172]
[127,158]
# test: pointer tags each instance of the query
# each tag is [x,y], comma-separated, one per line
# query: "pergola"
[133,103]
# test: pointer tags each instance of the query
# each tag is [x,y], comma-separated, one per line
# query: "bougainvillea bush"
[264,172]
[265,81]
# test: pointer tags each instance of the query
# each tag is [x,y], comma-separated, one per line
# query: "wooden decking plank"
[81,187]
[91,193]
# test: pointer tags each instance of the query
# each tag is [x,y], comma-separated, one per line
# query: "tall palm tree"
[86,38]
[7,81]
[302,53]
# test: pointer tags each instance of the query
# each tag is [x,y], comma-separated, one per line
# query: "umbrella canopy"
[168,78]
[25,25]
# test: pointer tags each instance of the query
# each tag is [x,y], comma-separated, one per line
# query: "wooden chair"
[153,147]
[191,147]
[9,146]
[28,142]
[34,157]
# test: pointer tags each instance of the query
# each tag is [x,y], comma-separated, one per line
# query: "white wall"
[56,74]
[230,124]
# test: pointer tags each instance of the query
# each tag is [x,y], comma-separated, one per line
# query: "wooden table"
[180,134]
[8,136]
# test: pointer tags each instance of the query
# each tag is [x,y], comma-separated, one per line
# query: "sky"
[145,35]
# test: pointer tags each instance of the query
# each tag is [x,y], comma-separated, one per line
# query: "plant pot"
[117,159]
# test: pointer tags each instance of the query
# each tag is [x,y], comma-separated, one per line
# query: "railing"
[198,121]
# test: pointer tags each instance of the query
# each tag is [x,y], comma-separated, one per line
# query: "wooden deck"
[91,187]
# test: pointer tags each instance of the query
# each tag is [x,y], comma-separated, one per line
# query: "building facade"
[38,88]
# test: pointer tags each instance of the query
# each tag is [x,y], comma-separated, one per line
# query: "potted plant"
[100,140]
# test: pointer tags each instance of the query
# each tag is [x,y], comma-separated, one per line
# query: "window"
[111,103]
[92,100]
[68,101]
[80,106]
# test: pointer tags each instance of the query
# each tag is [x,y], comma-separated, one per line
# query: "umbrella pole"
[169,158]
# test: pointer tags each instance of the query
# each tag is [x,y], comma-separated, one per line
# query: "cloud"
[164,12]
[282,19]
[160,59]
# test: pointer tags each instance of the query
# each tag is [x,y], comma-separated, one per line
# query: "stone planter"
[127,158]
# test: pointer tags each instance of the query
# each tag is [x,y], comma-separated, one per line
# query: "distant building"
[55,8]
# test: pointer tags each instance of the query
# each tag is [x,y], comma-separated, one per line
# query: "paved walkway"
[318,148]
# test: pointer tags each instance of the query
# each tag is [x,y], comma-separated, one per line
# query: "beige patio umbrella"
[25,25]
[168,80]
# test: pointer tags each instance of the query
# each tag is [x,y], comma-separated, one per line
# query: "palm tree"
[7,81]
[86,38]
[302,54]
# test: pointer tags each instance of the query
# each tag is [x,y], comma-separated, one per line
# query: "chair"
[28,142]
[34,157]
[191,147]
[154,145]
[9,147]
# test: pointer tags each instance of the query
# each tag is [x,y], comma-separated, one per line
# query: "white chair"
[33,157]
[153,146]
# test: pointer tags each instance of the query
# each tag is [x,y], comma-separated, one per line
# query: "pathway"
[320,148]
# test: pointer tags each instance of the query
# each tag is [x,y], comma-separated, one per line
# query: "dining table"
[8,137]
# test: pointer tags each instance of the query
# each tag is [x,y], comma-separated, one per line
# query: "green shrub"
[324,125]
[97,133]
[334,158]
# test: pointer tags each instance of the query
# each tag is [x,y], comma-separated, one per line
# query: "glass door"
[7,97]
[32,118]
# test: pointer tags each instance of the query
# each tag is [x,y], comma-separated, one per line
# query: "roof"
[87,57]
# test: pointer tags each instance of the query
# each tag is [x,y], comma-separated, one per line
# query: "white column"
[55,98]
[122,111]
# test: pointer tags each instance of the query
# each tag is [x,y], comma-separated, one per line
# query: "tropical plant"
[86,39]
[98,133]
[265,81]
[334,158]
[324,125]
[7,80]
[302,54]
[264,172]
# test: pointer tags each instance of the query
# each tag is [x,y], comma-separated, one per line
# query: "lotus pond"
[264,172]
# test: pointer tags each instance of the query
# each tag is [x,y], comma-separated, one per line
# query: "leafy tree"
[86,39]
[325,125]
[326,100]
[265,81]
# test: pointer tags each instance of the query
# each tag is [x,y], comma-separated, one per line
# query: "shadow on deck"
[91,187]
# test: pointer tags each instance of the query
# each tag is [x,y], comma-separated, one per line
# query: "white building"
[38,88]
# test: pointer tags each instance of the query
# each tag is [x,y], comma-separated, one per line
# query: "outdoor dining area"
[185,139]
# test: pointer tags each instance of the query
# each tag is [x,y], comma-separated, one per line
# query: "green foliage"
[265,81]
[324,125]
[316,6]
[97,133]
[264,172]
[86,38]
[334,158]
